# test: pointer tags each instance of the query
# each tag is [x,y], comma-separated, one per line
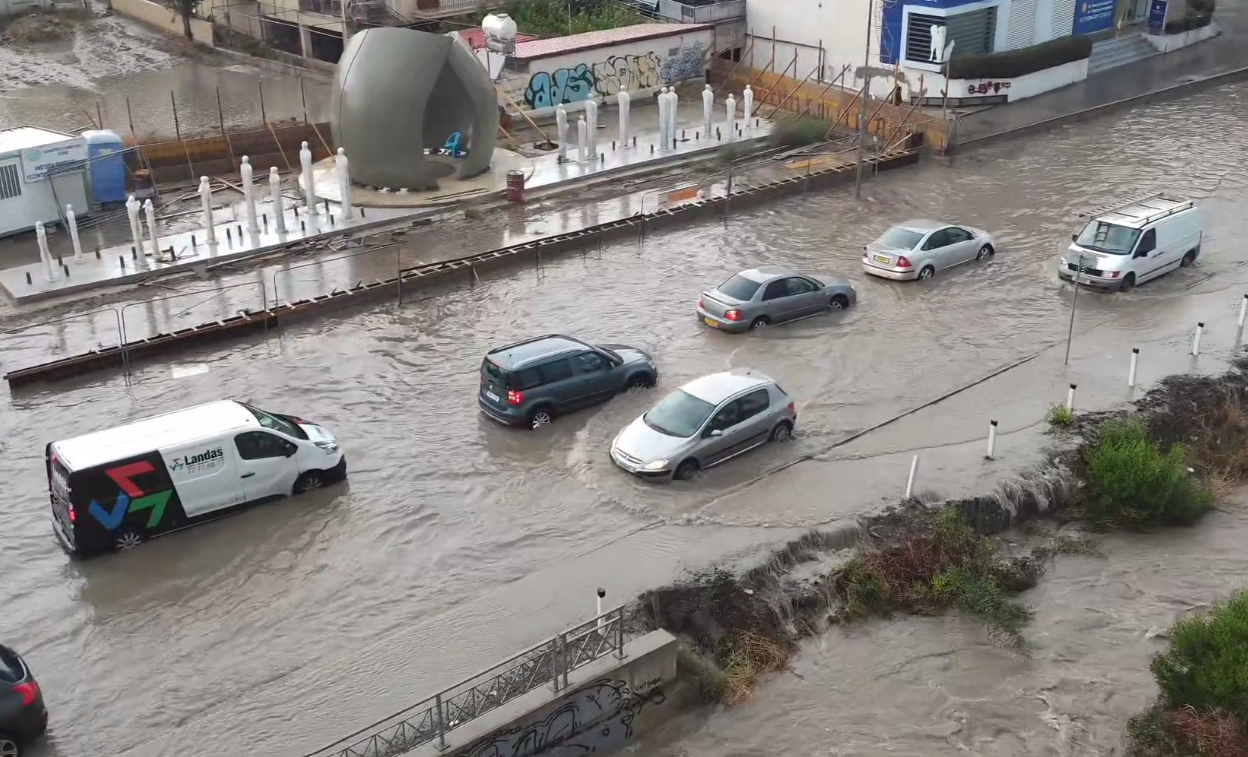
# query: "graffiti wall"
[606,73]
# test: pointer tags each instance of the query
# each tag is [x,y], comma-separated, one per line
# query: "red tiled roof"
[546,48]
[476,38]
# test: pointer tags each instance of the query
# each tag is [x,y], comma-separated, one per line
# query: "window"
[776,289]
[919,36]
[524,380]
[972,32]
[680,414]
[729,416]
[798,285]
[257,445]
[10,182]
[1100,236]
[1148,243]
[937,240]
[956,235]
[591,362]
[275,422]
[899,239]
[557,370]
[739,288]
[754,403]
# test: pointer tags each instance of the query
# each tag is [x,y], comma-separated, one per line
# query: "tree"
[186,9]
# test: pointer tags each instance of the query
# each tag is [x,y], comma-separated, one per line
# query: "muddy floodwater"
[456,542]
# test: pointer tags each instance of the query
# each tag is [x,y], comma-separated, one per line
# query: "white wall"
[839,25]
[37,202]
[1020,88]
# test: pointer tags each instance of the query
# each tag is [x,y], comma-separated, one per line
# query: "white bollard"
[248,175]
[1070,398]
[1200,327]
[591,128]
[582,136]
[748,99]
[136,229]
[45,254]
[914,471]
[662,102]
[561,127]
[625,103]
[71,221]
[731,110]
[602,593]
[275,192]
[1135,360]
[708,109]
[309,185]
[205,199]
[992,439]
[1243,310]
[673,105]
[344,183]
[150,211]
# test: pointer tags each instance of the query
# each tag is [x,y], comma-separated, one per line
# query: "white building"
[827,36]
[41,172]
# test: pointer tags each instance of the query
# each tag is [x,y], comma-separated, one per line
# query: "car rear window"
[901,239]
[10,666]
[492,372]
[739,287]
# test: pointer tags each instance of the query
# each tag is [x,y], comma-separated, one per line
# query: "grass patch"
[1060,416]
[1133,483]
[1203,677]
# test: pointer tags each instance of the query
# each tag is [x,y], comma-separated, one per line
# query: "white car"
[918,249]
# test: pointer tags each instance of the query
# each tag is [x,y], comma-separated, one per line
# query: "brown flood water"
[455,542]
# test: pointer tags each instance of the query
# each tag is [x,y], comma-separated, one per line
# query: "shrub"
[799,132]
[1061,416]
[1187,23]
[1206,666]
[1133,484]
[1028,60]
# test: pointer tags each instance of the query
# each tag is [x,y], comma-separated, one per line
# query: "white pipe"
[748,97]
[205,199]
[248,176]
[275,192]
[662,101]
[561,127]
[45,255]
[624,100]
[992,439]
[601,594]
[1070,398]
[136,229]
[1200,327]
[582,136]
[708,109]
[673,107]
[914,471]
[344,183]
[150,211]
[591,129]
[71,221]
[1243,310]
[309,185]
[731,111]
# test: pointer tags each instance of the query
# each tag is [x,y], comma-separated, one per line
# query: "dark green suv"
[531,383]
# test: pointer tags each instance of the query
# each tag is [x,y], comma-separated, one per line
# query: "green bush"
[799,132]
[1206,667]
[1028,60]
[1133,484]
[1187,23]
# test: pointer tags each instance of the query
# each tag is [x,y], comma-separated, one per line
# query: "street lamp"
[862,114]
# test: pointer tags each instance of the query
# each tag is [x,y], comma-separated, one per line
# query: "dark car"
[531,383]
[23,718]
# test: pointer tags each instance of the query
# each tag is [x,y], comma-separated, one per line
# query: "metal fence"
[45,341]
[547,664]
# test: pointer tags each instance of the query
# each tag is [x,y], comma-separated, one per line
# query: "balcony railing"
[702,14]
[323,7]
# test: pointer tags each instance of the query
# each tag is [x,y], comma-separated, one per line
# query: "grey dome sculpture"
[400,91]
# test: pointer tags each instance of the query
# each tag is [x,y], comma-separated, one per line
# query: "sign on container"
[38,162]
[1157,12]
[1093,16]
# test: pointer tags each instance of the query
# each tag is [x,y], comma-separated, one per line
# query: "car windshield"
[739,288]
[899,238]
[680,414]
[614,355]
[277,423]
[1108,237]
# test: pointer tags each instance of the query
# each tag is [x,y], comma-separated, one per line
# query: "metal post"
[619,634]
[437,701]
[1243,310]
[866,91]
[1200,327]
[563,657]
[398,274]
[1070,398]
[914,470]
[1070,331]
[1135,359]
[556,661]
[992,439]
[601,593]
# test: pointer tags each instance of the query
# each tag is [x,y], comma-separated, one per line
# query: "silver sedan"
[765,295]
[918,249]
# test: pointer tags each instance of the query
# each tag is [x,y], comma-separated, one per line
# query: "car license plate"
[711,322]
[492,396]
[882,259]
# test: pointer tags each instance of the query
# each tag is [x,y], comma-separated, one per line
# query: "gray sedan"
[918,249]
[765,295]
[705,423]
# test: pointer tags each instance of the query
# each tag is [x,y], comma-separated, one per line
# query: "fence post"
[441,722]
[563,645]
[398,273]
[556,661]
[619,633]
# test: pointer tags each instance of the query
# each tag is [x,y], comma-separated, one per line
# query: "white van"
[1135,242]
[115,489]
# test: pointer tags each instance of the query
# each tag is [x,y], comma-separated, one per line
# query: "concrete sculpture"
[412,107]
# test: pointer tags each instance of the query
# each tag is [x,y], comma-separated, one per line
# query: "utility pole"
[866,91]
[1074,304]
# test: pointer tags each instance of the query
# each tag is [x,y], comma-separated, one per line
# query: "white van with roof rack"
[114,489]
[1131,243]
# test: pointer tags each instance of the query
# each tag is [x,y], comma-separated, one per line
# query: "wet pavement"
[456,542]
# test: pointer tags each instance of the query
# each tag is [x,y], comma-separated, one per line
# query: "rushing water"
[274,631]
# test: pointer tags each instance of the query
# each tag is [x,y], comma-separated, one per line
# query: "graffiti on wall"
[597,717]
[564,86]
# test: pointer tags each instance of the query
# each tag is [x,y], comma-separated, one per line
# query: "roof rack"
[530,340]
[1118,208]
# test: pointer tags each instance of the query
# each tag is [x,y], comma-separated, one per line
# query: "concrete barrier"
[608,703]
[165,18]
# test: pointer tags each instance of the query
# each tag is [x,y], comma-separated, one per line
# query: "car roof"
[520,354]
[718,387]
[764,273]
[923,225]
[155,433]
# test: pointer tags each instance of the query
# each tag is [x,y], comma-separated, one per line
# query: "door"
[747,425]
[1148,261]
[714,449]
[560,384]
[961,246]
[783,300]
[806,296]
[594,374]
[266,465]
[935,250]
[205,476]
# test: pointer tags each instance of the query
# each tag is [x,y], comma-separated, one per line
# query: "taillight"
[864,253]
[29,691]
[792,408]
[733,315]
[701,304]
[72,515]
[903,262]
[514,398]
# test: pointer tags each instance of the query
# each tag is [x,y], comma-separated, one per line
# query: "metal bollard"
[28,280]
[1135,359]
[229,236]
[914,470]
[992,440]
[1243,310]
[302,226]
[240,232]
[66,268]
[1070,398]
[192,241]
[134,253]
[122,259]
[613,145]
[634,141]
[651,149]
[361,212]
[97,253]
[1200,327]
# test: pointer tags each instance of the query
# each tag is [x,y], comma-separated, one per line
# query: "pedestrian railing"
[547,664]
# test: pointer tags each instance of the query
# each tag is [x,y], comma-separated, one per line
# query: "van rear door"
[493,383]
[60,496]
[205,476]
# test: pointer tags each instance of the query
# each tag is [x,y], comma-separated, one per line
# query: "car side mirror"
[291,450]
[714,433]
[1140,254]
[1074,237]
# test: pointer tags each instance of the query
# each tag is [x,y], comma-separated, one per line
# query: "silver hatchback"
[705,423]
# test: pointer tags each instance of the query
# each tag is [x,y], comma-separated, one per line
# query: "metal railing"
[323,7]
[702,14]
[548,663]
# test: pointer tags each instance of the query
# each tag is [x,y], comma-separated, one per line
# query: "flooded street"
[457,542]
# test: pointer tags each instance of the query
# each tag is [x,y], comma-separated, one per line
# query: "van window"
[1100,236]
[257,445]
[556,371]
[276,423]
[522,381]
[1148,242]
[592,362]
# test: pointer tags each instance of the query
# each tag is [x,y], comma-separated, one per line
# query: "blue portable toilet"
[106,166]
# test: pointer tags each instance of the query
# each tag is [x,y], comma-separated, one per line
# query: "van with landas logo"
[115,489]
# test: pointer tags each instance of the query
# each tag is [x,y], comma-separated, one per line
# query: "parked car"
[705,423]
[766,295]
[23,717]
[1134,242]
[918,249]
[531,383]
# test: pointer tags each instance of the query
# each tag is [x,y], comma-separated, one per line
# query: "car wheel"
[641,381]
[313,479]
[782,432]
[838,302]
[126,541]
[687,470]
[9,746]
[760,321]
[927,272]
[1189,259]
[542,416]
[985,252]
[1128,282]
